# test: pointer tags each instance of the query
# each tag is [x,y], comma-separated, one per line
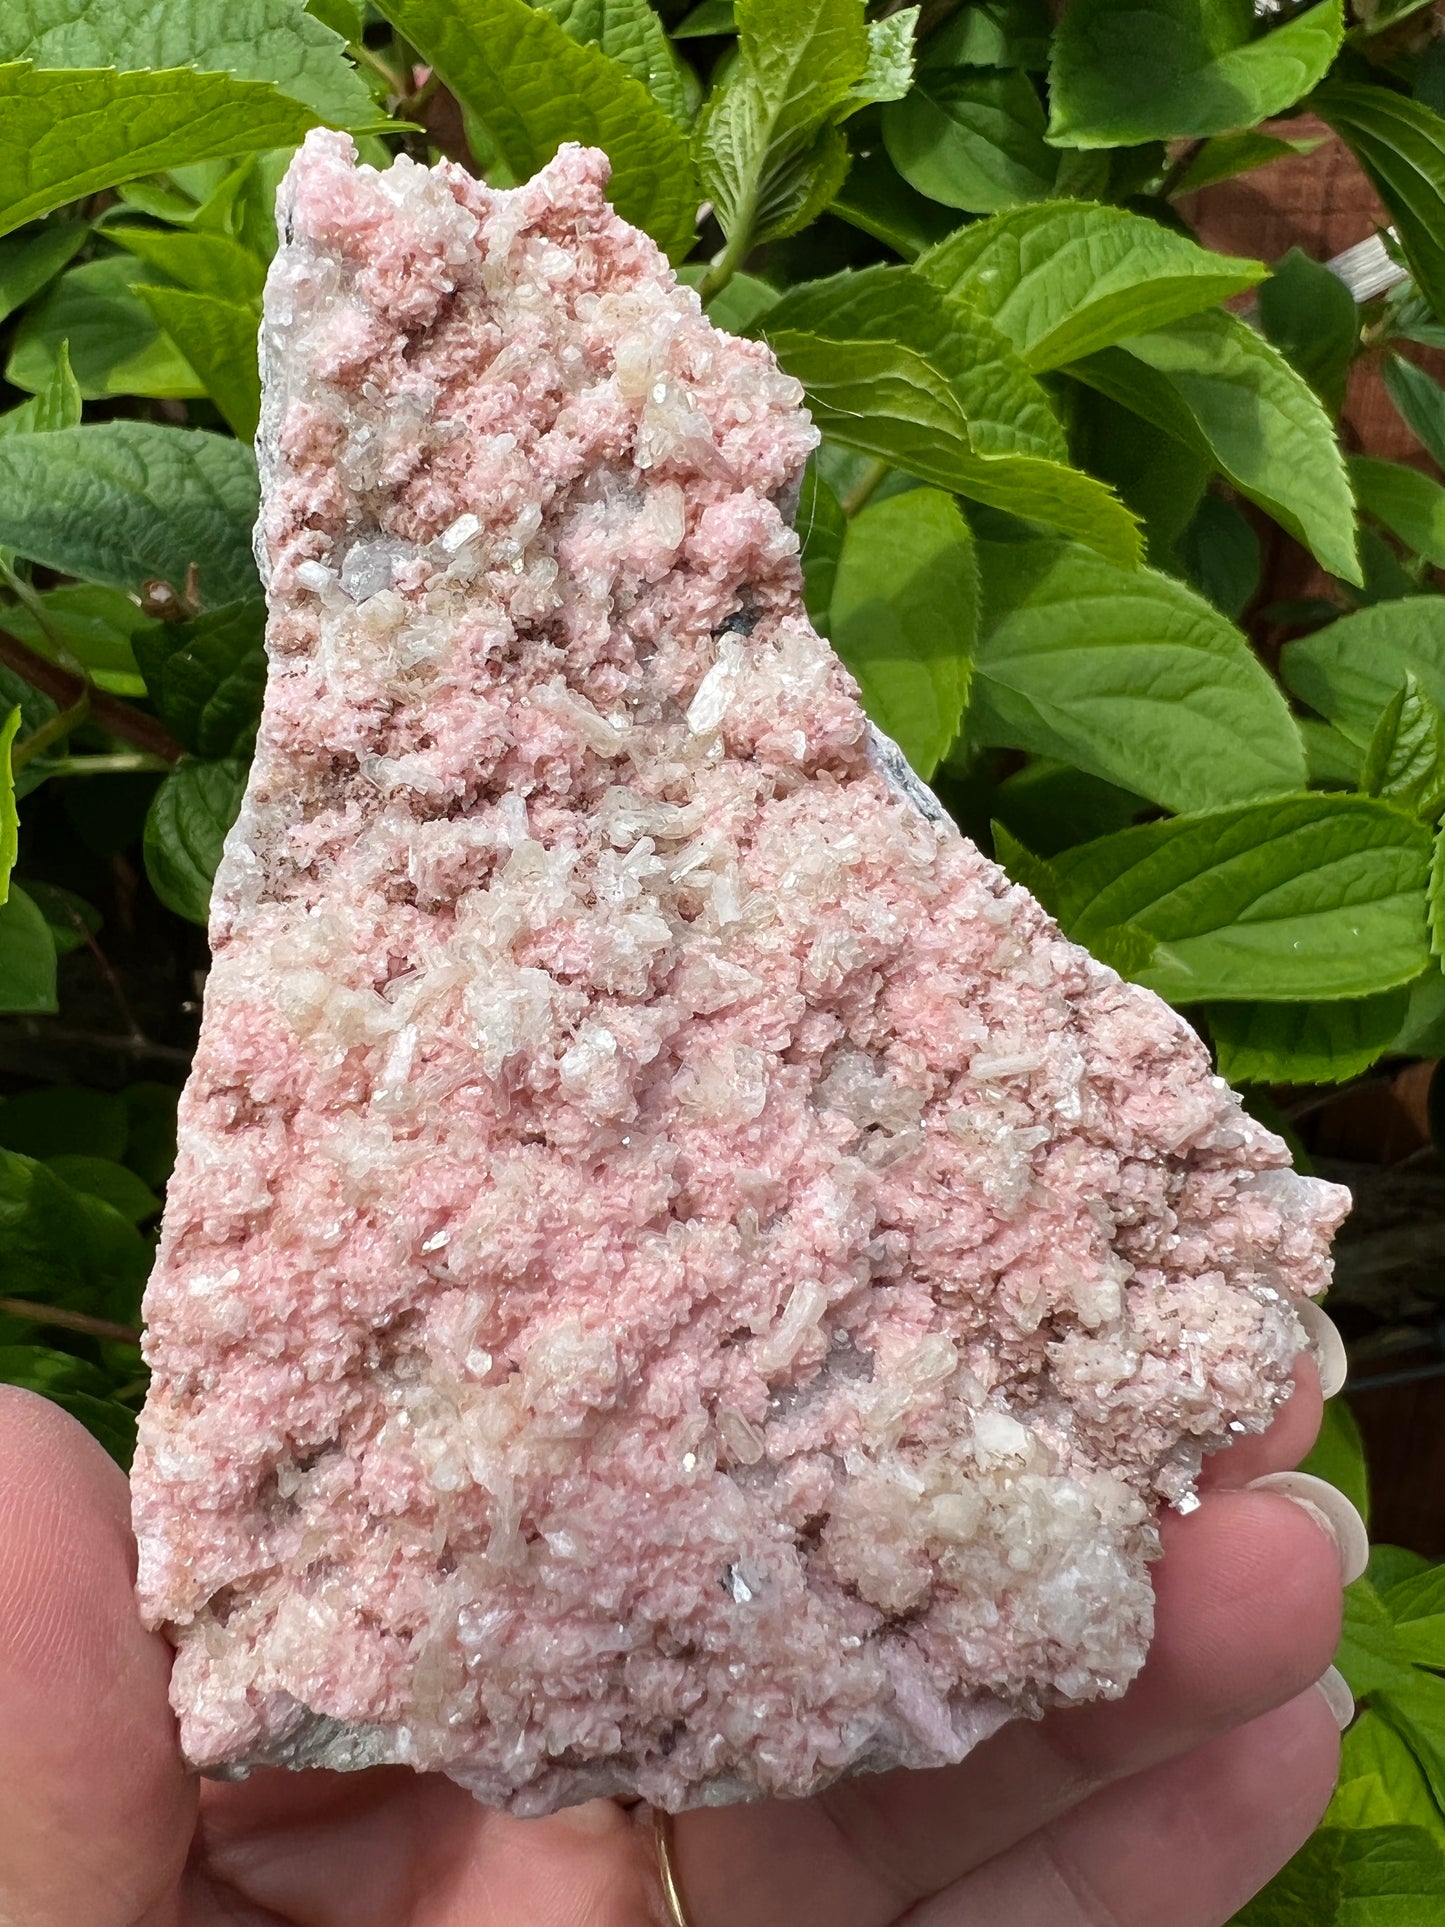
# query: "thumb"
[98,1810]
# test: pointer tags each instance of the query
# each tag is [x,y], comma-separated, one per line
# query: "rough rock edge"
[318,1740]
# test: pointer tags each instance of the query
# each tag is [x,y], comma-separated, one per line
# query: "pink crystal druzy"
[679,1279]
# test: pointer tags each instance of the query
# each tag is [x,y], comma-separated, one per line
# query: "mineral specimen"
[679,1279]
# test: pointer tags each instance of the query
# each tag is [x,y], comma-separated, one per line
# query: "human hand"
[1171,1805]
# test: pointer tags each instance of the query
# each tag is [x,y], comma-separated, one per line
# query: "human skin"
[1173,1804]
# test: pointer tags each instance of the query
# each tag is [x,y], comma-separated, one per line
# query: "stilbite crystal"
[679,1279]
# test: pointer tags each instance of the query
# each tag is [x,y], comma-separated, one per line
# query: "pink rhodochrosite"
[679,1278]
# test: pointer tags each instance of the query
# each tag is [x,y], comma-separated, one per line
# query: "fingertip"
[1248,1604]
[97,1801]
[1288,1439]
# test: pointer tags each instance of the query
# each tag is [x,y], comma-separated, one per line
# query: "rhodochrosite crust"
[679,1279]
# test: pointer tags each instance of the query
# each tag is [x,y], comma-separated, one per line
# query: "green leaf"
[767,146]
[889,73]
[1381,1782]
[1312,897]
[1387,578]
[1227,155]
[122,502]
[1416,1710]
[1310,316]
[96,625]
[821,526]
[1338,1454]
[346,17]
[1305,1043]
[70,917]
[1349,671]
[79,1388]
[708,17]
[1373,1877]
[207,676]
[905,618]
[891,64]
[1369,1654]
[243,204]
[204,262]
[1129,675]
[1374,16]
[1214,384]
[217,340]
[1066,279]
[61,1247]
[894,370]
[1417,1606]
[629,32]
[1410,505]
[992,33]
[55,405]
[151,1149]
[254,40]
[64,1120]
[1406,756]
[740,305]
[9,820]
[1159,479]
[99,1178]
[65,135]
[972,138]
[1219,552]
[1128,71]
[116,347]
[1006,409]
[876,198]
[28,261]
[189,817]
[27,958]
[534,87]
[39,1369]
[16,693]
[109,1423]
[1423,1032]
[1421,402]
[1049,806]
[1400,143]
[1334,762]
[1435,897]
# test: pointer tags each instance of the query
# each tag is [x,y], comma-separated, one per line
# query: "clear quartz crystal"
[678,1278]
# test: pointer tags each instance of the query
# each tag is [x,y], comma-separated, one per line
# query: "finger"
[392,1848]
[1296,1427]
[1188,1843]
[1248,1614]
[98,1811]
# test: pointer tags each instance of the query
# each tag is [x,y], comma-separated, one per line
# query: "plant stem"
[863,488]
[721,271]
[25,592]
[414,102]
[59,725]
[122,763]
[109,712]
[394,81]
[71,1321]
[1178,168]
[56,1039]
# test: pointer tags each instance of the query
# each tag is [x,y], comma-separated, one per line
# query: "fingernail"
[1334,1689]
[1329,1508]
[1326,1346]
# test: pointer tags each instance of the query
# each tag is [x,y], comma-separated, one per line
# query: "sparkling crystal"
[678,1278]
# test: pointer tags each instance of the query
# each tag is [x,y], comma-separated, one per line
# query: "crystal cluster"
[679,1279]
